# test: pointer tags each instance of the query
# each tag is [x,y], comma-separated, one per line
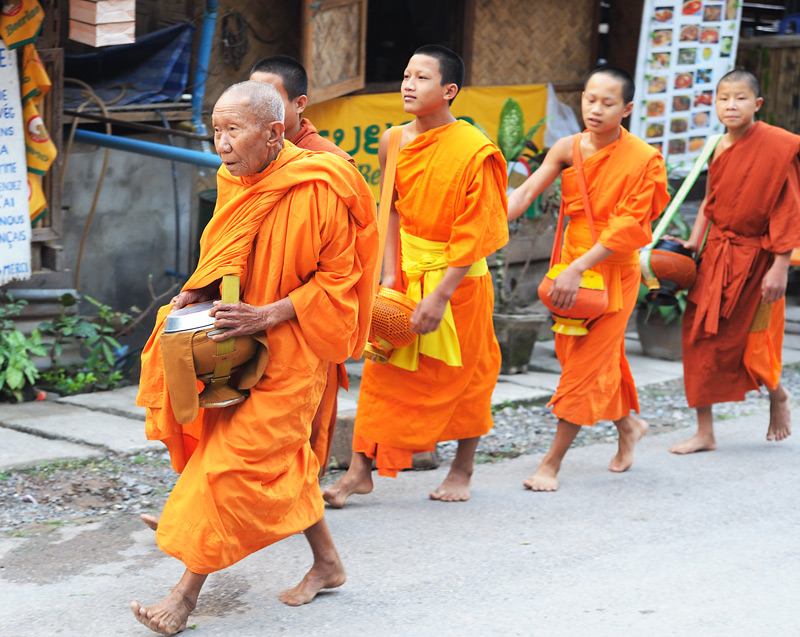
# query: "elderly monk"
[290,79]
[627,188]
[450,210]
[734,319]
[298,228]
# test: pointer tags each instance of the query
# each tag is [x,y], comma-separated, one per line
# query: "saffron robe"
[451,185]
[324,423]
[753,204]
[627,186]
[304,228]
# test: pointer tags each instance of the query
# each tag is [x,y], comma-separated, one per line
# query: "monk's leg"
[780,414]
[150,520]
[703,440]
[169,616]
[631,429]
[358,479]
[455,487]
[545,478]
[326,572]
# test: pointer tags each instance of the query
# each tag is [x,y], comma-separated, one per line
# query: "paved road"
[699,545]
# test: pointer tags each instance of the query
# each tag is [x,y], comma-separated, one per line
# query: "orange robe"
[324,423]
[627,185]
[451,185]
[303,228]
[753,206]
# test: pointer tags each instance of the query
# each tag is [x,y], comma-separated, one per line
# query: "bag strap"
[387,193]
[577,162]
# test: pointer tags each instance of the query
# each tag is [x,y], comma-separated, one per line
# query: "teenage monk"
[449,213]
[627,185]
[298,228]
[734,318]
[289,78]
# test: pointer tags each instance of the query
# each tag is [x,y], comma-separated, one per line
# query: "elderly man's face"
[245,144]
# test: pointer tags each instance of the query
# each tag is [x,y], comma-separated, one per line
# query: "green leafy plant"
[95,337]
[17,370]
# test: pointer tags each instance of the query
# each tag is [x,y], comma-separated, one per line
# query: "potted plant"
[517,323]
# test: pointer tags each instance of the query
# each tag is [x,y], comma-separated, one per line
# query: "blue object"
[162,151]
[793,20]
[153,69]
[201,70]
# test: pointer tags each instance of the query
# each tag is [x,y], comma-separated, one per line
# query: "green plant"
[96,339]
[17,370]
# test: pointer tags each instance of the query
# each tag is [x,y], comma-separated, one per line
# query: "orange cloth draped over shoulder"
[304,228]
[451,188]
[752,204]
[627,185]
[324,423]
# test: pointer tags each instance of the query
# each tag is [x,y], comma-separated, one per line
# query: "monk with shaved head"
[298,229]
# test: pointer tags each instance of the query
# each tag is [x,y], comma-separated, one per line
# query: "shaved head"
[263,99]
[740,75]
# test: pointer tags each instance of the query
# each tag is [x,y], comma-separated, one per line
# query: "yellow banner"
[355,123]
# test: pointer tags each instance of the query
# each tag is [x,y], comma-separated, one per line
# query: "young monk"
[734,318]
[450,209]
[627,185]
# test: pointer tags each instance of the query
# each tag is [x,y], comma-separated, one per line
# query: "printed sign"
[15,223]
[684,50]
[356,123]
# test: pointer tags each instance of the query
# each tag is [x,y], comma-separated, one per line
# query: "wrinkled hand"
[565,288]
[188,297]
[241,319]
[773,287]
[428,313]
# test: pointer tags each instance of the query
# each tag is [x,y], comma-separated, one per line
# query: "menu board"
[15,221]
[684,49]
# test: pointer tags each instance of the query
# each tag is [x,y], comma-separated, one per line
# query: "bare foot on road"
[545,478]
[780,416]
[321,575]
[150,520]
[168,616]
[631,429]
[348,485]
[455,487]
[698,442]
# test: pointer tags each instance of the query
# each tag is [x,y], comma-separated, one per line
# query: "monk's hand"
[565,288]
[428,313]
[188,297]
[686,244]
[241,319]
[773,286]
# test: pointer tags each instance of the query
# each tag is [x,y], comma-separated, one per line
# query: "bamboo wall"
[775,61]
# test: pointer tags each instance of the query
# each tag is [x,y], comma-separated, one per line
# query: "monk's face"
[245,143]
[736,104]
[602,105]
[293,109]
[422,88]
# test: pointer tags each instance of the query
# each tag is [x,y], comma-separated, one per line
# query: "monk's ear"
[451,91]
[627,110]
[300,103]
[274,131]
[759,102]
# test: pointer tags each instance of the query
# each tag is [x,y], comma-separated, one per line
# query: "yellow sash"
[424,264]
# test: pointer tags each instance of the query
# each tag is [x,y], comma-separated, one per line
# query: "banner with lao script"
[15,223]
[355,123]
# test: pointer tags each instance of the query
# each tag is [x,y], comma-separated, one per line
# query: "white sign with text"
[15,223]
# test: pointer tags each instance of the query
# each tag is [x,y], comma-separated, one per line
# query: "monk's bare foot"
[698,442]
[150,520]
[631,429]
[168,616]
[545,478]
[322,575]
[455,487]
[348,485]
[780,415]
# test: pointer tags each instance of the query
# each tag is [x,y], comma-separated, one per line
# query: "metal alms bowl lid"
[190,319]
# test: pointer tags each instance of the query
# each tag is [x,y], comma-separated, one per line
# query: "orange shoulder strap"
[387,193]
